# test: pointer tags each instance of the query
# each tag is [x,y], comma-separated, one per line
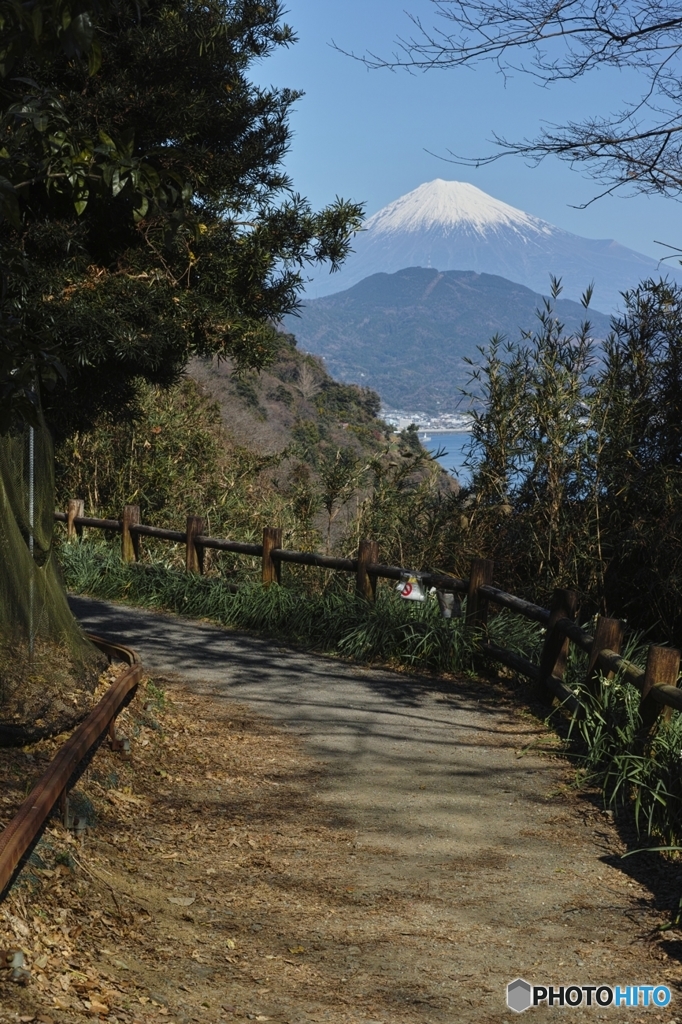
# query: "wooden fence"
[657,682]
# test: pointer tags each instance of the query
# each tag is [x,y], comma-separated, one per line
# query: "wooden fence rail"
[17,837]
[657,682]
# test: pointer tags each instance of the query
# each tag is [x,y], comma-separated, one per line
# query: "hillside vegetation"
[575,463]
[576,483]
[409,334]
[288,447]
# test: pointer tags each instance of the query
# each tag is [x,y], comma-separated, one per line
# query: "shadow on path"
[446,786]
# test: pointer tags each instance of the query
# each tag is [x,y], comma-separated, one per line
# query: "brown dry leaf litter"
[46,692]
[214,885]
[195,895]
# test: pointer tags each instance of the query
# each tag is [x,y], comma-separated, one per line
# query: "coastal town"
[444,423]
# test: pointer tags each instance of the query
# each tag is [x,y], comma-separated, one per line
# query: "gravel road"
[458,805]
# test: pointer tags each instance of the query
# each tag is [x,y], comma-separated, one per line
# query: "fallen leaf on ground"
[97,1007]
[19,927]
[117,794]
[182,901]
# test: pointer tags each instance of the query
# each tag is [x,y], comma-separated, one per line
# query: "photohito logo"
[521,995]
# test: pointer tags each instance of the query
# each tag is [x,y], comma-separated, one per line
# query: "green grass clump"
[637,773]
[391,630]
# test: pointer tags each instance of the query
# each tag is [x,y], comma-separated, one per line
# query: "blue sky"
[364,135]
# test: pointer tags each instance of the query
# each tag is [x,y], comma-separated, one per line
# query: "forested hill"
[290,447]
[293,401]
[406,335]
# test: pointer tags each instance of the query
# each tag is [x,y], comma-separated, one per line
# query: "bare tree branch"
[557,40]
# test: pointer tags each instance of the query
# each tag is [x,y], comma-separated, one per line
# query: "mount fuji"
[452,225]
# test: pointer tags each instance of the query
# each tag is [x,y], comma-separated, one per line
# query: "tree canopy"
[640,145]
[145,211]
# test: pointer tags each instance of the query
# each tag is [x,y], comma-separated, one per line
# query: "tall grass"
[638,774]
[391,630]
[328,617]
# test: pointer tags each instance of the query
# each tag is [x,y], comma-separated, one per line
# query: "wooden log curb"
[18,836]
[130,539]
[662,670]
[608,636]
[194,553]
[271,571]
[75,511]
[480,577]
[553,658]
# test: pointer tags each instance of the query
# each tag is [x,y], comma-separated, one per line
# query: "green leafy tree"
[410,436]
[577,462]
[411,508]
[146,214]
[341,473]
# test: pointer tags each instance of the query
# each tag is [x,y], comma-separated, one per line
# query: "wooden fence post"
[555,648]
[608,635]
[480,574]
[662,668]
[365,583]
[130,542]
[194,554]
[272,567]
[76,507]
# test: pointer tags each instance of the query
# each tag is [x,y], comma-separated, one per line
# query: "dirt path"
[471,862]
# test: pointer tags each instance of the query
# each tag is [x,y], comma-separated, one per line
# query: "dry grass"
[46,691]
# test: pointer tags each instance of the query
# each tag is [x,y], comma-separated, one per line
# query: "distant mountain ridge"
[406,335]
[452,225]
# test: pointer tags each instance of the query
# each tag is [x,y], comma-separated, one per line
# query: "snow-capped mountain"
[452,225]
[447,206]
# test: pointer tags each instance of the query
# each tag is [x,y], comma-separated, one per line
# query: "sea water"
[455,446]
